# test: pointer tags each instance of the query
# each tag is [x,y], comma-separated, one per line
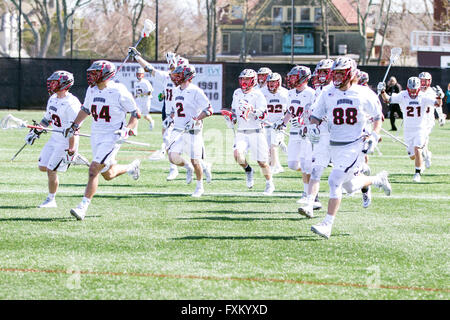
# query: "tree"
[363,10]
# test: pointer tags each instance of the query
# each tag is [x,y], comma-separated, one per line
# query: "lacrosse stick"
[88,135]
[12,159]
[394,137]
[149,27]
[395,54]
[176,139]
[228,115]
[11,122]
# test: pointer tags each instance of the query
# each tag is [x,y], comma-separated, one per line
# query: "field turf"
[148,239]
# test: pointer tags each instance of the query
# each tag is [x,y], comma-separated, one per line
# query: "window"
[277,15]
[317,14]
[236,12]
[305,14]
[288,16]
[299,40]
[225,42]
[267,43]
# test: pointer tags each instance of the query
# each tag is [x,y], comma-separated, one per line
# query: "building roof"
[347,10]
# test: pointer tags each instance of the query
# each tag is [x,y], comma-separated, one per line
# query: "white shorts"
[189,144]
[144,109]
[415,139]
[255,142]
[52,156]
[104,149]
[299,148]
[273,137]
[348,158]
[321,152]
[167,134]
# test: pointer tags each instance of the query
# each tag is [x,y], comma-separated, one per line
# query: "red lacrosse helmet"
[247,79]
[59,80]
[343,71]
[298,76]
[182,73]
[99,71]
[413,87]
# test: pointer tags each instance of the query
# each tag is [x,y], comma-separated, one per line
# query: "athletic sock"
[86,201]
[200,184]
[305,187]
[248,168]
[329,219]
[418,170]
[51,196]
[187,166]
[173,166]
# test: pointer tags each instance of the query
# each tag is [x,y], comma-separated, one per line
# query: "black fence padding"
[34,74]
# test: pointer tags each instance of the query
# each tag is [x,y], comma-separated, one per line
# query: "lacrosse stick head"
[149,27]
[395,54]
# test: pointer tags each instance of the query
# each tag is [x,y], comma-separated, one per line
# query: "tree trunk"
[214,31]
[384,32]
[376,31]
[243,54]
[208,31]
[326,37]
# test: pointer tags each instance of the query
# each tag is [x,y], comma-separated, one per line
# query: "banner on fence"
[209,78]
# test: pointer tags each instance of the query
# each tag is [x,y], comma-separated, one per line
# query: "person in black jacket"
[393,87]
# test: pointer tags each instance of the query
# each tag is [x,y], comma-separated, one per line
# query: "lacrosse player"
[143,95]
[425,87]
[321,151]
[248,112]
[300,98]
[108,103]
[262,74]
[188,107]
[415,105]
[347,108]
[58,153]
[277,100]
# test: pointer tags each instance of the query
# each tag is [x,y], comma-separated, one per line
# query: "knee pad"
[294,165]
[317,172]
[335,181]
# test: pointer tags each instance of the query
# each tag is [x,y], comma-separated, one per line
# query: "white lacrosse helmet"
[343,64]
[247,79]
[263,73]
[323,71]
[273,82]
[413,87]
[425,80]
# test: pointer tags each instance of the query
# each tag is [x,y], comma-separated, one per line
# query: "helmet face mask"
[247,80]
[182,73]
[343,71]
[413,87]
[425,80]
[58,81]
[273,82]
[100,71]
[323,71]
[263,73]
[298,77]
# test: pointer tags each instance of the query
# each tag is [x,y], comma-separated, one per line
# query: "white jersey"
[430,108]
[254,98]
[187,104]
[143,93]
[347,111]
[300,103]
[415,111]
[276,104]
[163,77]
[109,107]
[61,112]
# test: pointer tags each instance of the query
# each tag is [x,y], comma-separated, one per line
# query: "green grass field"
[148,239]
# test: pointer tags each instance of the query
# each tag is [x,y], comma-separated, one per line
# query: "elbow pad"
[86,110]
[208,110]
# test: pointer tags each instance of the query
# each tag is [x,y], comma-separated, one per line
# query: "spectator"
[447,108]
[393,87]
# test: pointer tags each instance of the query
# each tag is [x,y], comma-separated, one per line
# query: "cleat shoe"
[250,181]
[427,158]
[322,229]
[306,211]
[303,199]
[151,124]
[48,203]
[277,169]
[384,183]
[367,198]
[366,169]
[80,211]
[134,170]
[189,173]
[416,177]
[157,155]
[207,172]
[317,205]
[270,188]
[198,192]
[173,173]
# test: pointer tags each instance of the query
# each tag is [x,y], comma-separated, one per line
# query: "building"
[269,29]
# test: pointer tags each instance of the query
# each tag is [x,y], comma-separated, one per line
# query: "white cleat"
[276,170]
[427,159]
[48,203]
[367,198]
[384,183]
[189,173]
[173,174]
[250,181]
[322,229]
[80,211]
[134,171]
[306,211]
[151,125]
[207,172]
[366,169]
[270,188]
[303,199]
[157,155]
[416,177]
[317,205]
[198,192]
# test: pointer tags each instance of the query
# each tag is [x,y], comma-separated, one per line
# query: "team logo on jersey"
[346,101]
[53,108]
[296,101]
[179,98]
[274,100]
[414,102]
[100,99]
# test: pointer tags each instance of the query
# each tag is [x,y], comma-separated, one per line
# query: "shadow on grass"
[18,207]
[298,238]
[68,219]
[246,219]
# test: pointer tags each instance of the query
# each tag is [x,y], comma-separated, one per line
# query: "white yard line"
[229,194]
